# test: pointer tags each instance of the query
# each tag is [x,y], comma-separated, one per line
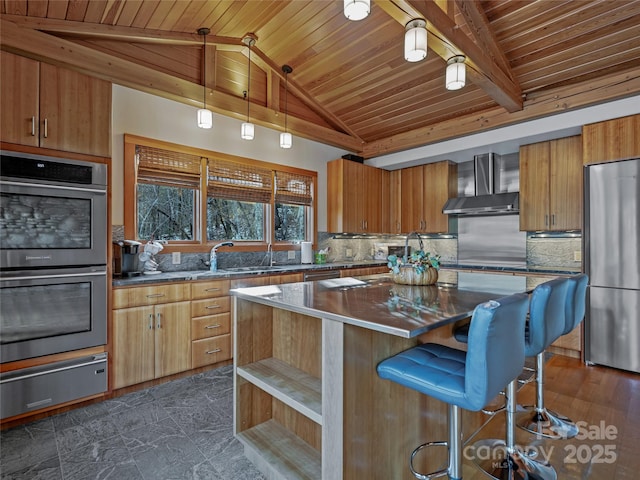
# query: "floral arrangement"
[419,260]
[420,268]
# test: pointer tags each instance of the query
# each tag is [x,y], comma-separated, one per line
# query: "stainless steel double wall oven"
[53,276]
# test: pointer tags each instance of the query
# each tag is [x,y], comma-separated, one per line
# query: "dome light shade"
[456,73]
[286,141]
[247,131]
[356,9]
[205,118]
[415,40]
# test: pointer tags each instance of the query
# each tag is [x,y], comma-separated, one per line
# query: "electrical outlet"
[175,258]
[577,256]
[291,254]
[349,252]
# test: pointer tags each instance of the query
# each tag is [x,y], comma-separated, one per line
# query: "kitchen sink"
[262,268]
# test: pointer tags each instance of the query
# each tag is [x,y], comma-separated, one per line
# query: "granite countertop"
[375,302]
[240,272]
[521,268]
[277,269]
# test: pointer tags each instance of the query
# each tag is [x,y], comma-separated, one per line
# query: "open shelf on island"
[290,385]
[277,449]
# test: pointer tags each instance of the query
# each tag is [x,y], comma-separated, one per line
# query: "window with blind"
[293,199]
[166,194]
[202,197]
[238,196]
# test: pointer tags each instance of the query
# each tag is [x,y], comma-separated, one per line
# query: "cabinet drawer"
[140,296]
[210,306]
[210,326]
[210,350]
[217,288]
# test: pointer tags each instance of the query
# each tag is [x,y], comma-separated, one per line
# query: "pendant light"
[205,117]
[247,129]
[415,40]
[286,140]
[356,9]
[456,73]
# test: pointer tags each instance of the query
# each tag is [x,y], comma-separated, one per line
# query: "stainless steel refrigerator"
[612,260]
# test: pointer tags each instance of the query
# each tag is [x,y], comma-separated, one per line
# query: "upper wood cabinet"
[354,197]
[52,107]
[424,191]
[551,185]
[395,202]
[611,140]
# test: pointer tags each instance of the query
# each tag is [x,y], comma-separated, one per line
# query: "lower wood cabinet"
[150,341]
[210,323]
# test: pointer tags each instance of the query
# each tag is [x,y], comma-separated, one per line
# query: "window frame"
[200,243]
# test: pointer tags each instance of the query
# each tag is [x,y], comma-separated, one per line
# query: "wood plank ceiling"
[350,86]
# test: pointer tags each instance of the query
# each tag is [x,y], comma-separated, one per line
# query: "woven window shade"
[294,188]
[239,181]
[167,167]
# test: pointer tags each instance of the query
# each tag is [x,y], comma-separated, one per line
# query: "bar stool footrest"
[435,474]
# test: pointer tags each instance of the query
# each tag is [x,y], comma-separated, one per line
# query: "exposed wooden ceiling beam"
[537,105]
[483,34]
[51,49]
[447,39]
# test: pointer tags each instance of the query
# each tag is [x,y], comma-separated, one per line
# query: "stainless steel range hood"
[485,201]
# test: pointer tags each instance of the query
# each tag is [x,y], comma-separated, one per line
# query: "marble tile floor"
[179,430]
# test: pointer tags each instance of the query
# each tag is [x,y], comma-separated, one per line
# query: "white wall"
[146,115]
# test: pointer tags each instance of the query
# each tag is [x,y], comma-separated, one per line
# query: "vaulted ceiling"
[350,86]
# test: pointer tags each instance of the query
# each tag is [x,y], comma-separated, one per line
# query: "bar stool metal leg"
[454,446]
[506,461]
[538,419]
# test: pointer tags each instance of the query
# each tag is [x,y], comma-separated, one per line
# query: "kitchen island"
[308,402]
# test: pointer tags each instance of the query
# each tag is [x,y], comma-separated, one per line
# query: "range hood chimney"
[485,201]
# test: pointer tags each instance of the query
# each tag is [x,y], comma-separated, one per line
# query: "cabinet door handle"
[213,289]
[151,321]
[155,295]
[33,126]
[546,219]
[553,219]
[214,351]
[209,307]
[46,127]
[213,326]
[366,224]
[159,320]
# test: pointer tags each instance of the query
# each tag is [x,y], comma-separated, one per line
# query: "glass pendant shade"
[286,141]
[205,118]
[415,41]
[246,132]
[456,73]
[356,9]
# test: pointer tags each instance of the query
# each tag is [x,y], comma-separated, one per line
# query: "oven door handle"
[62,275]
[101,190]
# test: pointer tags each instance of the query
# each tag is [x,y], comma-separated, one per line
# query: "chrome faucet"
[406,245]
[213,257]
[270,251]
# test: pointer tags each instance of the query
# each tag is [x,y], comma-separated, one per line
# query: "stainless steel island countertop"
[377,303]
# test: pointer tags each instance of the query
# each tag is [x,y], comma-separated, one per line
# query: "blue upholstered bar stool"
[495,357]
[546,324]
[538,419]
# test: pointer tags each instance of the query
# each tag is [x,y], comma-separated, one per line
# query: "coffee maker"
[125,258]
